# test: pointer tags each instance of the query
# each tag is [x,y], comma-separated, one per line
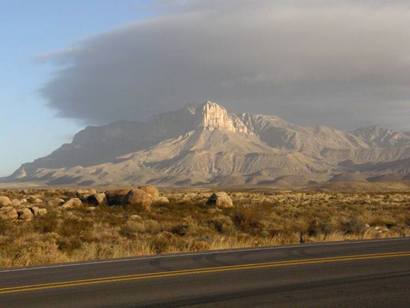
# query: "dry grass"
[186,224]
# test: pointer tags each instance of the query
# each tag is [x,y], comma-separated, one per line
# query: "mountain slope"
[206,144]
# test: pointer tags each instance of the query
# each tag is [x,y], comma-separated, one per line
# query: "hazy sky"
[29,29]
[72,63]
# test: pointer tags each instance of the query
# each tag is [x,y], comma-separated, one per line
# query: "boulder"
[55,202]
[34,210]
[161,201]
[116,197]
[5,201]
[220,200]
[38,211]
[8,213]
[84,193]
[96,199]
[140,199]
[37,201]
[72,203]
[25,214]
[34,199]
[42,211]
[16,202]
[150,189]
[135,217]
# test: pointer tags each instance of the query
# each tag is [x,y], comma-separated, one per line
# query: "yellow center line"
[204,270]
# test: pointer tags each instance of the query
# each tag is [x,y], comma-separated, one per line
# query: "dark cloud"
[343,63]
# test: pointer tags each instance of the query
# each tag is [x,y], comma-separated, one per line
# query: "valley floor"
[57,233]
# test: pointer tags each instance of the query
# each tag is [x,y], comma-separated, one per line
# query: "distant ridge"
[209,145]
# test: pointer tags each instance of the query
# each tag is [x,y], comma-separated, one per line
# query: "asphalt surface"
[345,274]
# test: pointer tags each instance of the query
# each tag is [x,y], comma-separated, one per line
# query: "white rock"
[5,201]
[72,203]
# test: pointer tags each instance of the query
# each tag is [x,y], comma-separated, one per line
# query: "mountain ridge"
[206,144]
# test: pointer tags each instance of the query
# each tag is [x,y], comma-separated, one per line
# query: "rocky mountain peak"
[214,116]
[206,143]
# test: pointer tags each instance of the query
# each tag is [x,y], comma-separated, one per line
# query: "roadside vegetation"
[187,223]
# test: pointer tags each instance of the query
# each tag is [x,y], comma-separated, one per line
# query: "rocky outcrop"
[161,201]
[214,116]
[220,200]
[116,197]
[151,190]
[38,211]
[138,198]
[96,199]
[25,214]
[8,213]
[5,201]
[72,203]
[55,202]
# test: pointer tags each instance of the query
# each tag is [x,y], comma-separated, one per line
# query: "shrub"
[200,245]
[75,227]
[130,229]
[221,223]
[69,244]
[152,226]
[317,226]
[47,223]
[180,229]
[352,225]
[5,226]
[161,242]
[247,220]
[185,224]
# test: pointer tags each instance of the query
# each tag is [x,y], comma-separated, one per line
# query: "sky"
[68,64]
[29,29]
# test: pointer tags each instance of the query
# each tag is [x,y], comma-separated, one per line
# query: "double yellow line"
[197,271]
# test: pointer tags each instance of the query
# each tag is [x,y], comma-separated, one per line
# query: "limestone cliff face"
[207,144]
[214,116]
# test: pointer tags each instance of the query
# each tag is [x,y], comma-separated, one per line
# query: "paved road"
[344,274]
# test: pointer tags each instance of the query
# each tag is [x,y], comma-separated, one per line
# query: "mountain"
[207,144]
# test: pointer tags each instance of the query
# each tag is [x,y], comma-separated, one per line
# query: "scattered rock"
[38,211]
[8,213]
[139,198]
[190,197]
[42,211]
[34,199]
[25,214]
[161,201]
[117,197]
[150,189]
[37,201]
[72,203]
[35,210]
[84,193]
[16,202]
[56,202]
[5,201]
[220,200]
[135,217]
[23,201]
[96,199]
